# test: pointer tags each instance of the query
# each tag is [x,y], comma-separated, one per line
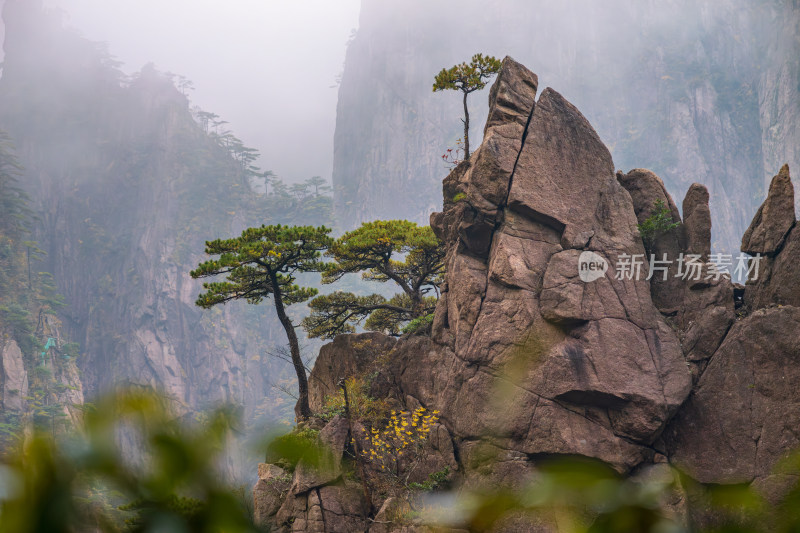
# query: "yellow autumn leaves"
[403,431]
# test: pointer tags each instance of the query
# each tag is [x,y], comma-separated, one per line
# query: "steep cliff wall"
[127,186]
[695,92]
[40,384]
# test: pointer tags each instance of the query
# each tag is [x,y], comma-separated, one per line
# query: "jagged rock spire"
[774,218]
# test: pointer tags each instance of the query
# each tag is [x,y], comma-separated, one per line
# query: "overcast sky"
[266,66]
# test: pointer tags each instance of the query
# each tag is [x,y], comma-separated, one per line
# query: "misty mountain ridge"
[127,180]
[112,185]
[696,93]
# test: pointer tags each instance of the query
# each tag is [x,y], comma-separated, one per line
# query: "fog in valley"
[269,68]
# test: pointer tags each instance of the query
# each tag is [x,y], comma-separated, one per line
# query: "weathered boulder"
[637,375]
[512,95]
[774,218]
[778,281]
[445,223]
[646,190]
[310,476]
[475,190]
[519,334]
[343,508]
[701,307]
[704,335]
[775,276]
[566,299]
[511,102]
[707,309]
[743,414]
[338,508]
[335,435]
[697,221]
[269,492]
[728,431]
[392,512]
[346,356]
[313,520]
[13,377]
[521,252]
[563,160]
[463,300]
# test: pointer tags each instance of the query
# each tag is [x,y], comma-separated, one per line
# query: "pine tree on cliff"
[467,78]
[261,263]
[399,251]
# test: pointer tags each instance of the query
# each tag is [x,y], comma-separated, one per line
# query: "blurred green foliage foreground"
[87,482]
[84,482]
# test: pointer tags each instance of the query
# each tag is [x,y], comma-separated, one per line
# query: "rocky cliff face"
[534,355]
[726,433]
[30,383]
[696,93]
[14,377]
[127,186]
[41,391]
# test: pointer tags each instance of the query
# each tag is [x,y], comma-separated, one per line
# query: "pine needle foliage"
[467,78]
[659,223]
[262,263]
[396,251]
